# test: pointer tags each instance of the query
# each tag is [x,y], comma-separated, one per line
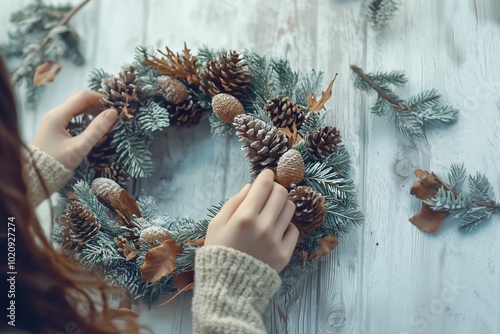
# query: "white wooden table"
[386,277]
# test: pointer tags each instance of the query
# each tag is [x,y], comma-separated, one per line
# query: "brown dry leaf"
[46,72]
[160,261]
[426,185]
[132,255]
[199,242]
[124,205]
[293,135]
[326,246]
[316,106]
[429,220]
[183,67]
[184,280]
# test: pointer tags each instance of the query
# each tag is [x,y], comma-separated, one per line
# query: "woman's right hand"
[256,221]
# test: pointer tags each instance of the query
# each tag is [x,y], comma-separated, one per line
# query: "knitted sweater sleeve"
[232,290]
[54,174]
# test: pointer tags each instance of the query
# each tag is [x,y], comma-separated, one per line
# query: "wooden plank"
[407,273]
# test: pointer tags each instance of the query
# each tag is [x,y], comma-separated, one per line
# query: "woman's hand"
[257,221]
[53,139]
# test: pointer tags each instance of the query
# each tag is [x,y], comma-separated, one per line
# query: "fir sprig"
[472,205]
[412,116]
[42,35]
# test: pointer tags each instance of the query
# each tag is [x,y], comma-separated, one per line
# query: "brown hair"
[52,293]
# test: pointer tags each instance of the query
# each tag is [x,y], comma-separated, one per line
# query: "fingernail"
[110,114]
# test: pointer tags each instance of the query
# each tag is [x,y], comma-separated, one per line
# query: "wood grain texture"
[386,277]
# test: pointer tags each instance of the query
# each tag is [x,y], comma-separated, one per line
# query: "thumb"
[96,130]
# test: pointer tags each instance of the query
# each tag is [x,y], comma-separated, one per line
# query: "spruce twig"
[28,61]
[412,116]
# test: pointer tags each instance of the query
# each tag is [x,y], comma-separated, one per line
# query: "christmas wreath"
[274,112]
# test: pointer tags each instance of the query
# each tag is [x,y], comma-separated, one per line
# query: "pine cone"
[229,74]
[116,172]
[80,224]
[264,143]
[310,209]
[323,143]
[121,92]
[187,113]
[284,112]
[102,154]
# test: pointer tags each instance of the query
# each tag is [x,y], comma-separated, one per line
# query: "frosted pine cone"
[121,92]
[264,143]
[80,224]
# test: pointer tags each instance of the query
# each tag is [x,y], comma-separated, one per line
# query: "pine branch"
[411,117]
[472,208]
[133,151]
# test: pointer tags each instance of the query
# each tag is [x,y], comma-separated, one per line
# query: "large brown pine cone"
[285,112]
[79,223]
[310,209]
[323,143]
[229,74]
[116,172]
[264,143]
[121,93]
[102,154]
[187,113]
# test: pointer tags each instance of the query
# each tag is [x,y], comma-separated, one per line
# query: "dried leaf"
[160,261]
[199,242]
[124,247]
[46,72]
[183,67]
[184,280]
[316,106]
[293,135]
[326,246]
[132,255]
[426,185]
[429,220]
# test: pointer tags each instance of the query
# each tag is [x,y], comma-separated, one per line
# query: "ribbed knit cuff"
[232,289]
[54,174]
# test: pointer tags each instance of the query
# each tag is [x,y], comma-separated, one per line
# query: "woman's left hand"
[53,138]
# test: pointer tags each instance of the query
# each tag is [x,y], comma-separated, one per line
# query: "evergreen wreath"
[275,114]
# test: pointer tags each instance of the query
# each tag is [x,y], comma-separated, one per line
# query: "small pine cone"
[264,143]
[290,168]
[226,107]
[116,172]
[102,154]
[310,209]
[228,74]
[285,112]
[323,143]
[187,113]
[121,93]
[154,234]
[172,90]
[80,224]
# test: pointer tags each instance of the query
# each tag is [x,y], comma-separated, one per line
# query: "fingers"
[231,205]
[82,102]
[260,191]
[274,205]
[284,220]
[290,240]
[95,131]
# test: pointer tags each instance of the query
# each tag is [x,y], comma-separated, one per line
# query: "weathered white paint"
[386,277]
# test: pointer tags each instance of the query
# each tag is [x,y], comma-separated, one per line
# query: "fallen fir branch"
[411,116]
[450,199]
[42,37]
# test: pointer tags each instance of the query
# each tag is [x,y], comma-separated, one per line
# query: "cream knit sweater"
[232,288]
